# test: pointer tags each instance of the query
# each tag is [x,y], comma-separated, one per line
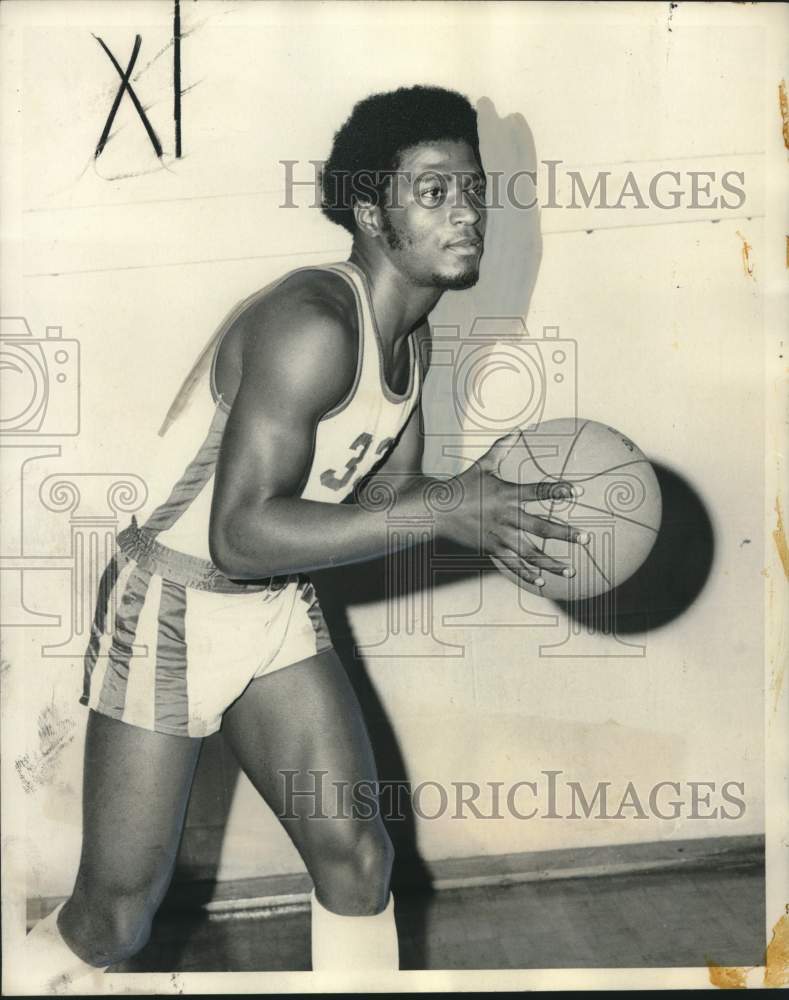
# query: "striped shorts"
[174,643]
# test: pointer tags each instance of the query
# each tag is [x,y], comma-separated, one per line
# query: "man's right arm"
[299,360]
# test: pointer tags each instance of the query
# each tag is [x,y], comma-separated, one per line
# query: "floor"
[659,919]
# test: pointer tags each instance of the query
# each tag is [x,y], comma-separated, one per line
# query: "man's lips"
[471,245]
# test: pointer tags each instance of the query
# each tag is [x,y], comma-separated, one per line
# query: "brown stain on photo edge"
[776,958]
[747,264]
[776,963]
[783,104]
[779,537]
[727,977]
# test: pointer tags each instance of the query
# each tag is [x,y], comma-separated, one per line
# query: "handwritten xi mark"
[124,87]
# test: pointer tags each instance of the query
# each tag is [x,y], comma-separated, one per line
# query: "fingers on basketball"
[525,572]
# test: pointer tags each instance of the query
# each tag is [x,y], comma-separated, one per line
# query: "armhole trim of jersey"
[227,323]
[348,399]
[422,352]
[223,330]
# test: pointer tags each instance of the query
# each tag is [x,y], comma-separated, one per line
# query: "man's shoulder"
[303,331]
[307,296]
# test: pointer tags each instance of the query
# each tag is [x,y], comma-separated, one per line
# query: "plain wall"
[139,263]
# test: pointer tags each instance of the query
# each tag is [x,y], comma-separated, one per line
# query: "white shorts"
[174,643]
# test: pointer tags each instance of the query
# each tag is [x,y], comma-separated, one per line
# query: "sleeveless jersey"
[350,439]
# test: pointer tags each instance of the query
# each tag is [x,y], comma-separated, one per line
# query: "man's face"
[434,221]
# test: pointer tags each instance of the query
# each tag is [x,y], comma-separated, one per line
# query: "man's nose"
[467,210]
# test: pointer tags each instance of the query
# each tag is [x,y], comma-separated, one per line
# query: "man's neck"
[398,305]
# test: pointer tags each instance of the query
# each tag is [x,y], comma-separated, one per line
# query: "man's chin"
[458,281]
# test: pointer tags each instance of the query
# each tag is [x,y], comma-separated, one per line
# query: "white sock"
[342,943]
[52,963]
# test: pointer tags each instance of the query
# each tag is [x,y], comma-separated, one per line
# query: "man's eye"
[432,192]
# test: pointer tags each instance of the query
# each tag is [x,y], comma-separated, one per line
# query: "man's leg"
[136,787]
[305,718]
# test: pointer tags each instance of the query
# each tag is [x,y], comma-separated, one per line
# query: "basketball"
[619,505]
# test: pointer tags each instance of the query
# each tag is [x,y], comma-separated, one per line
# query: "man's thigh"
[136,786]
[296,722]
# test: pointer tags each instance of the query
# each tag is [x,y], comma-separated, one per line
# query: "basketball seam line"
[564,466]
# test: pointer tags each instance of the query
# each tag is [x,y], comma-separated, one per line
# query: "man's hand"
[490,516]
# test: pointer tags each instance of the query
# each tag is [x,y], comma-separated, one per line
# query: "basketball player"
[307,386]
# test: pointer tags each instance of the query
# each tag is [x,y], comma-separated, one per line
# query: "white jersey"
[350,439]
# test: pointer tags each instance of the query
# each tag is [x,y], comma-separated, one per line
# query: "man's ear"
[368,218]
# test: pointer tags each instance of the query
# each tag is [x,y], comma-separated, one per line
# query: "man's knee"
[375,856]
[110,929]
[130,927]
[351,866]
